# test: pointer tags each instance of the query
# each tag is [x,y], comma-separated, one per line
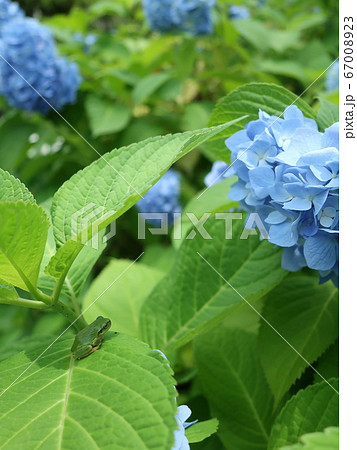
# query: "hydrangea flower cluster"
[239,12]
[30,50]
[332,77]
[288,172]
[162,198]
[9,11]
[193,16]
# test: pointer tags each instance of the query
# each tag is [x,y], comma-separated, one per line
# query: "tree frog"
[90,338]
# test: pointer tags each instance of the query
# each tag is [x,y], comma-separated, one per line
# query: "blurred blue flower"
[9,11]
[162,198]
[66,84]
[87,41]
[193,16]
[332,77]
[159,14]
[288,171]
[181,442]
[215,175]
[239,12]
[30,49]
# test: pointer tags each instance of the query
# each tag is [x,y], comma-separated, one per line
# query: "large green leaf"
[192,297]
[23,232]
[104,190]
[327,440]
[312,409]
[12,190]
[121,396]
[306,315]
[121,294]
[105,116]
[233,382]
[95,196]
[247,100]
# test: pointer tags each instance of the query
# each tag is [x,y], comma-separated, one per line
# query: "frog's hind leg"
[97,343]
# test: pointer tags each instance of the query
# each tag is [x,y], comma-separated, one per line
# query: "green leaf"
[121,288]
[105,116]
[104,190]
[7,293]
[201,430]
[14,140]
[211,200]
[327,115]
[287,68]
[233,382]
[306,315]
[327,440]
[327,365]
[122,393]
[23,232]
[159,257]
[247,100]
[54,264]
[148,85]
[12,190]
[192,297]
[311,409]
[264,38]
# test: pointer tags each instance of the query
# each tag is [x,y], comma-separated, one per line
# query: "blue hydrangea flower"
[332,77]
[30,49]
[193,16]
[239,12]
[159,15]
[288,171]
[66,84]
[181,442]
[215,175]
[162,198]
[9,11]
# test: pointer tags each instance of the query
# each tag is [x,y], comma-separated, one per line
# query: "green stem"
[40,296]
[77,321]
[27,303]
